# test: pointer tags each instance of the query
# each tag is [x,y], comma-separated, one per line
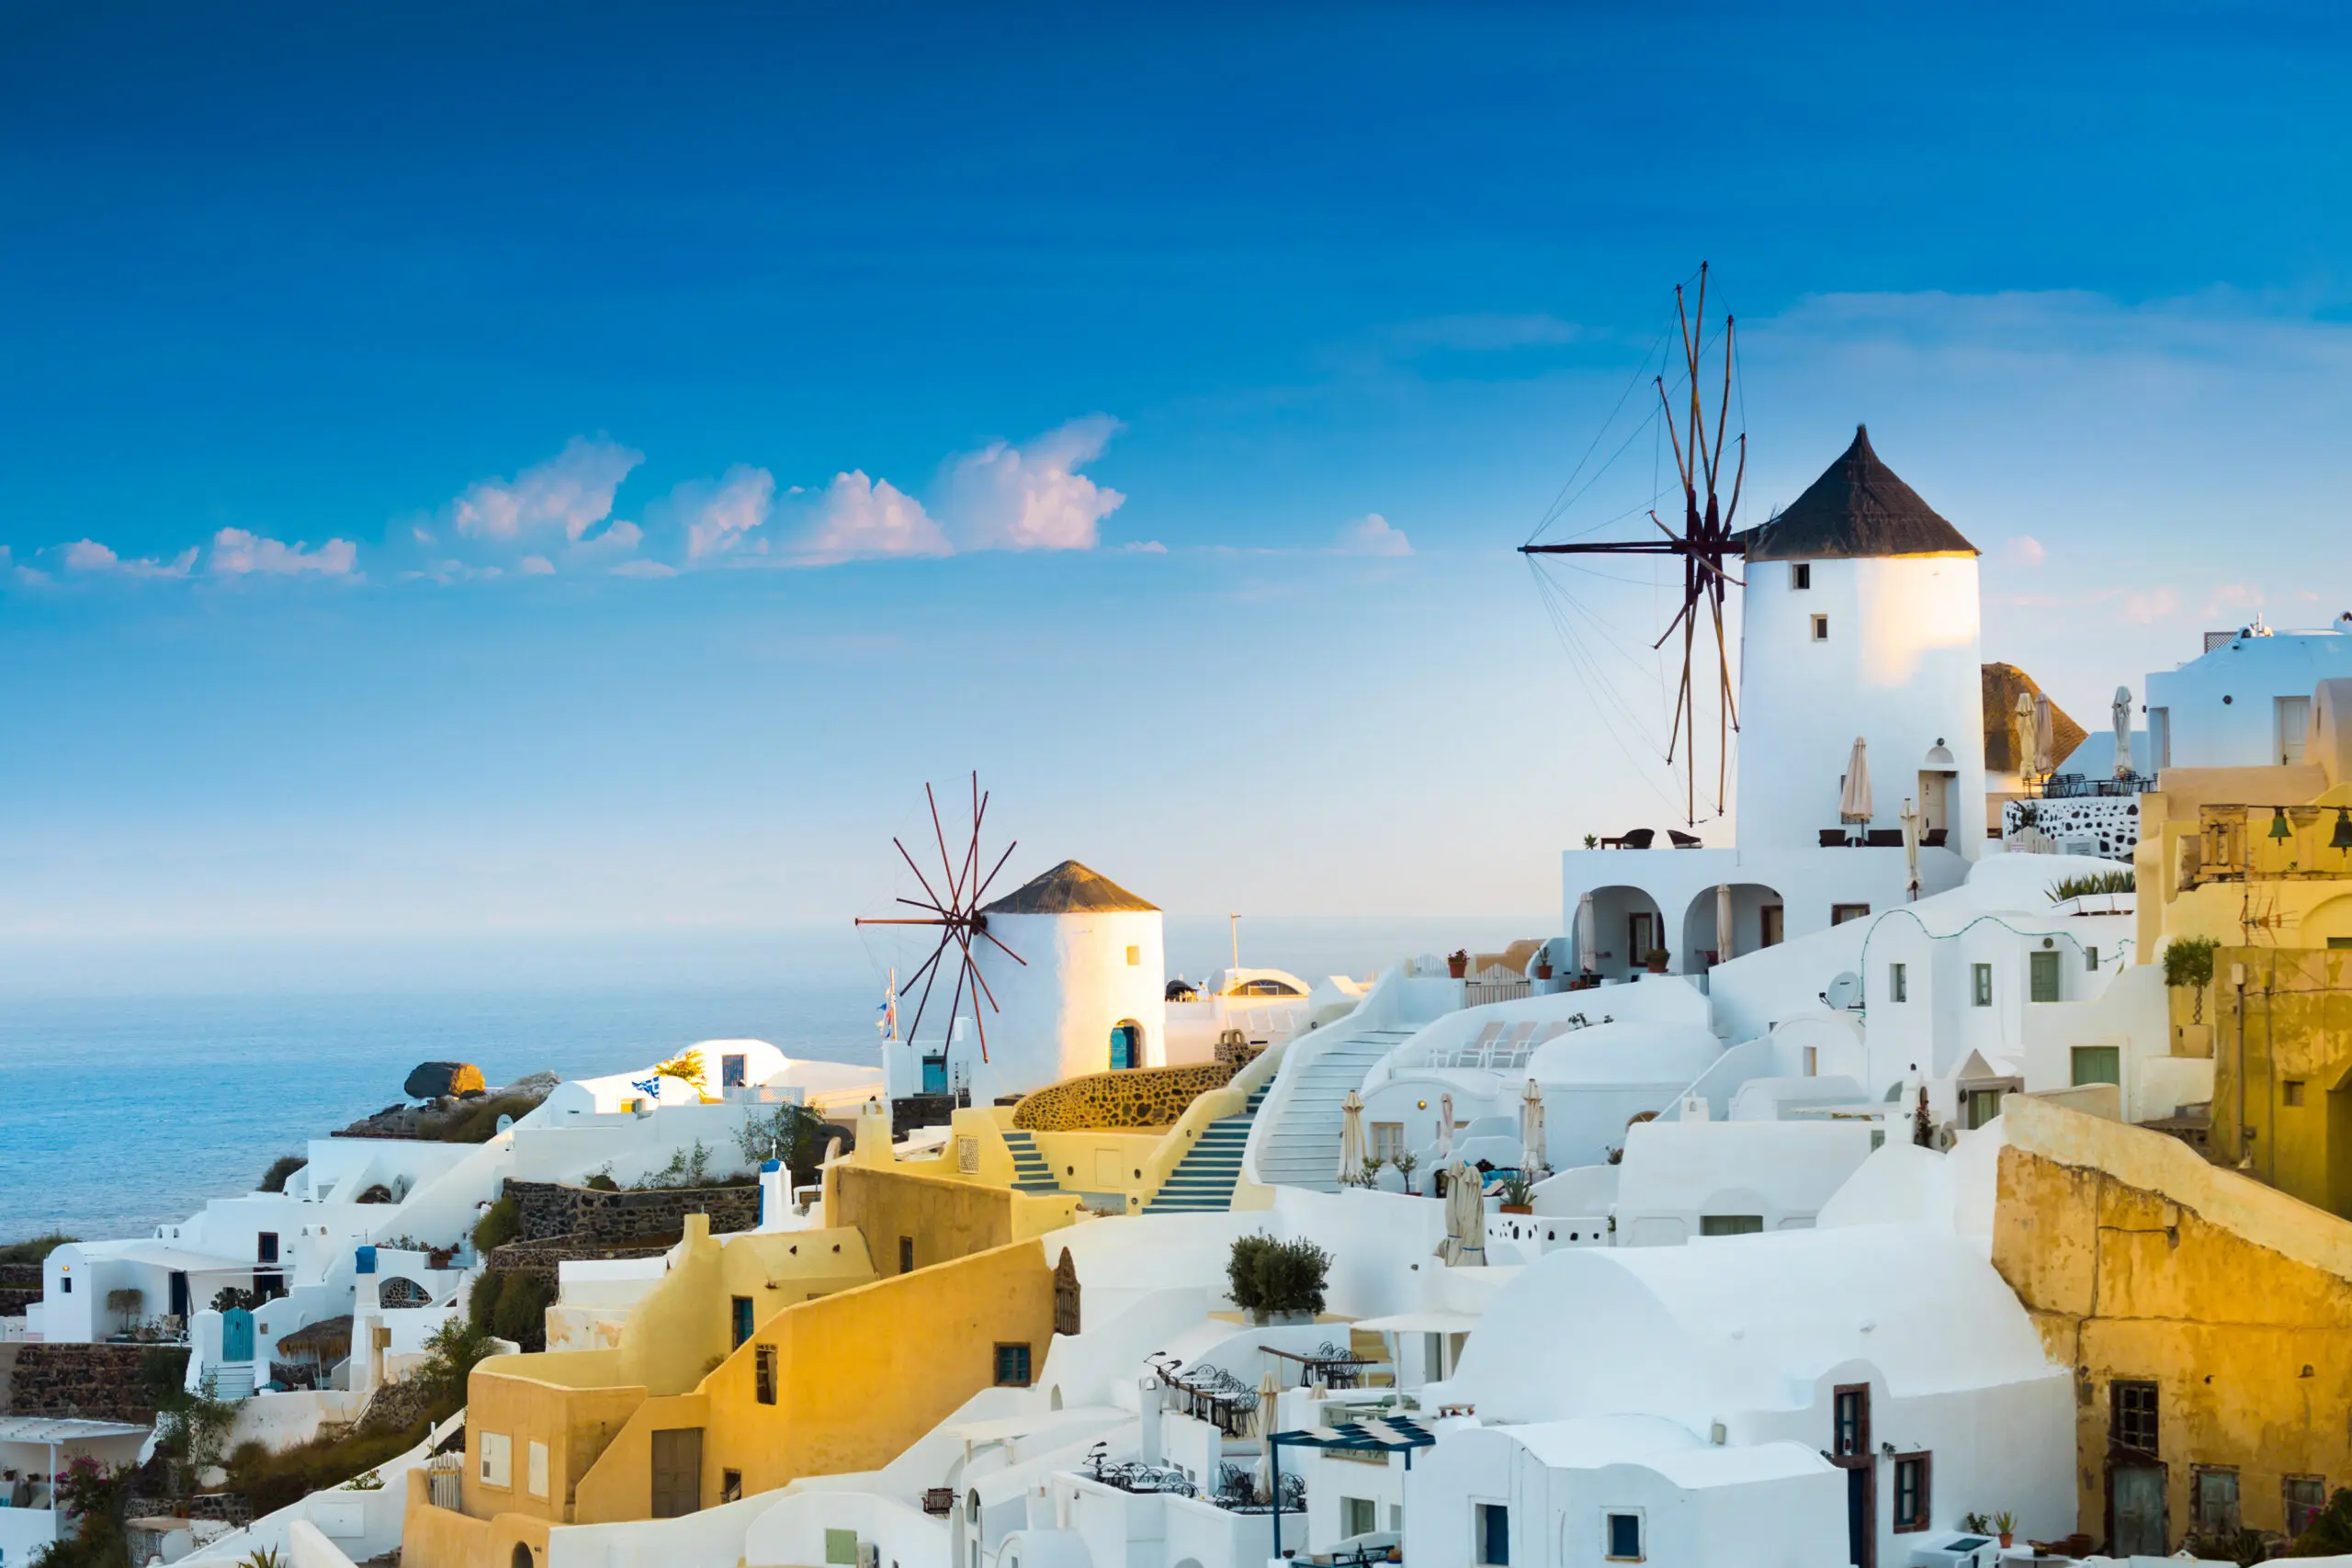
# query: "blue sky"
[580,468]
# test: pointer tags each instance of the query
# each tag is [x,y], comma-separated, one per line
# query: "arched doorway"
[1627,926]
[1754,924]
[1127,1044]
[521,1557]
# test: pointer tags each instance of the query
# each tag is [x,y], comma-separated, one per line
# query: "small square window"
[1800,575]
[537,1472]
[1358,1515]
[1821,628]
[265,1248]
[1898,982]
[1980,976]
[1624,1531]
[1731,1224]
[906,1255]
[1840,913]
[731,1072]
[2292,1089]
[2304,1496]
[497,1453]
[731,1486]
[2098,1063]
[1013,1366]
[1494,1535]
[2090,960]
[1135,956]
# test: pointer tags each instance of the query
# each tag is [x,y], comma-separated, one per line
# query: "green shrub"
[2189,961]
[522,1311]
[2330,1534]
[1268,1276]
[274,1480]
[2122,881]
[475,1120]
[481,1301]
[97,1497]
[793,1133]
[499,1225]
[273,1179]
[36,1250]
[451,1353]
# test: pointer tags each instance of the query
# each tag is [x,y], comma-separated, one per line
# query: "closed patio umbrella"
[2045,742]
[1723,922]
[1531,1134]
[1854,800]
[1588,938]
[1910,847]
[1351,1173]
[1465,1219]
[2121,712]
[1269,1396]
[2022,734]
[1444,1132]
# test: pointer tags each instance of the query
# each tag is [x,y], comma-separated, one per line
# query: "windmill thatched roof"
[1857,507]
[2002,684]
[1069,889]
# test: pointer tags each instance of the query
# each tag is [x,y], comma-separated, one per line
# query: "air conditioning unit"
[869,1554]
[1957,1550]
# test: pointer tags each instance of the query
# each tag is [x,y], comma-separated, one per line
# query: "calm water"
[131,1091]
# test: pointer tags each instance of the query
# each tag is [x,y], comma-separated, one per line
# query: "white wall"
[1056,1009]
[2191,727]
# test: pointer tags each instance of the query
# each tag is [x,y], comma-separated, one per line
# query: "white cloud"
[1371,534]
[572,491]
[2144,607]
[88,555]
[1146,548]
[859,518]
[236,553]
[644,569]
[723,519]
[2024,550]
[1034,498]
[535,566]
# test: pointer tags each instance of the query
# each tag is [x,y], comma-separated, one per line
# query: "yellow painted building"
[2207,1317]
[755,1362]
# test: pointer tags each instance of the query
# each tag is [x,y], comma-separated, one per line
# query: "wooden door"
[2135,1506]
[677,1471]
[237,1335]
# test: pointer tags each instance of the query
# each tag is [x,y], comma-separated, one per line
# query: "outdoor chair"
[1935,838]
[1682,840]
[1884,839]
[1834,838]
[1639,839]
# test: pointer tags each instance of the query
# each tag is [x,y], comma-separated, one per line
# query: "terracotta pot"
[1543,971]
[1457,967]
[1657,965]
[1518,1208]
[2008,1540]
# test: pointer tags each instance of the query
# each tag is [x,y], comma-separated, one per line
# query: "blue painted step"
[1204,1179]
[1030,1171]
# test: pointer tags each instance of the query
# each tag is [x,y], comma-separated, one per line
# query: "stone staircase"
[1301,1148]
[1204,1179]
[1030,1171]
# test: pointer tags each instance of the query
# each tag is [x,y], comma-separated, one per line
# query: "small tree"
[125,1303]
[273,1179]
[2189,961]
[789,1131]
[1406,1162]
[1266,1276]
[235,1298]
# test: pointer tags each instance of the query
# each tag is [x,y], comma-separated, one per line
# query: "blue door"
[237,1335]
[934,1075]
[1124,1041]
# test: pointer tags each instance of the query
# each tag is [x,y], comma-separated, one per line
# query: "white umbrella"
[1854,800]
[1531,1134]
[1588,938]
[1351,1140]
[2021,732]
[2045,740]
[2121,712]
[1444,1130]
[1723,922]
[1465,1219]
[1269,1396]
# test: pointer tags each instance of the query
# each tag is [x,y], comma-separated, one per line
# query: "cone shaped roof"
[1069,889]
[2003,683]
[1857,507]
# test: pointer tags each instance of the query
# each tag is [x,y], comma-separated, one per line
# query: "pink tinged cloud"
[238,553]
[2024,550]
[860,519]
[1372,534]
[724,519]
[89,555]
[1034,498]
[572,491]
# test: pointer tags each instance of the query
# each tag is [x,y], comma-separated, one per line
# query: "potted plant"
[1277,1281]
[1543,964]
[1406,1164]
[1517,1191]
[1655,959]
[1457,963]
[1592,840]
[2005,1525]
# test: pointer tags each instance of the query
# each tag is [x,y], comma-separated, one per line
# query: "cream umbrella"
[2045,740]
[2120,711]
[1465,1219]
[1270,1399]
[1588,938]
[1910,847]
[1854,800]
[1531,1134]
[2021,735]
[1444,1132]
[1351,1173]
[1723,922]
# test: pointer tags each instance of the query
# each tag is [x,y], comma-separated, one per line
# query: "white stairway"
[1296,1142]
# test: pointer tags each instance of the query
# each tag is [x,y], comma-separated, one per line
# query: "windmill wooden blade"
[958,917]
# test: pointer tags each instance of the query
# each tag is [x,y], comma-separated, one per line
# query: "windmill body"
[1858,619]
[1088,993]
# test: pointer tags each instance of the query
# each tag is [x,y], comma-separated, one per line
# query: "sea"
[137,1082]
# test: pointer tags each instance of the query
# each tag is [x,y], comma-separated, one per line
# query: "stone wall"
[550,1211]
[106,1382]
[1130,1096]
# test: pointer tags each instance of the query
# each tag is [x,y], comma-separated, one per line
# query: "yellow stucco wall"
[943,1217]
[575,1421]
[2139,1260]
[437,1538]
[860,1375]
[2286,1037]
